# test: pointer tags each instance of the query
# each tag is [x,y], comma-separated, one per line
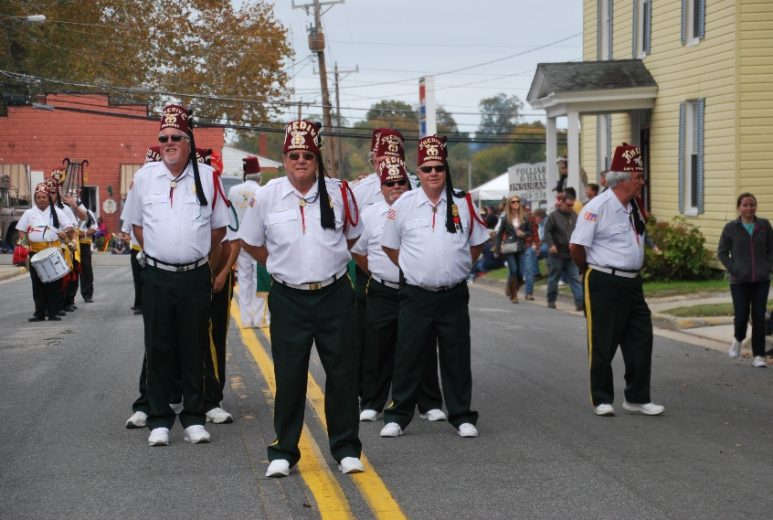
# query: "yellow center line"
[371,486]
[330,498]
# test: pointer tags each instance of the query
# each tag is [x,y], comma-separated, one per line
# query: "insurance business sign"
[529,181]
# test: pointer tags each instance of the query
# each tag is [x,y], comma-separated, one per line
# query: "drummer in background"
[252,307]
[86,230]
[68,206]
[41,227]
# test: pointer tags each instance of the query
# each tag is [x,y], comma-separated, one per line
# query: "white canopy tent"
[495,189]
[232,161]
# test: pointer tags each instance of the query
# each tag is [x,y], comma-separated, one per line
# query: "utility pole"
[317,46]
[336,76]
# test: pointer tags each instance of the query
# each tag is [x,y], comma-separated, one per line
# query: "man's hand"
[219,282]
[553,250]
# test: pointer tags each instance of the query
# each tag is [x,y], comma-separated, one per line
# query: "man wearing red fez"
[434,235]
[178,230]
[608,247]
[302,227]
[383,303]
[252,308]
[41,227]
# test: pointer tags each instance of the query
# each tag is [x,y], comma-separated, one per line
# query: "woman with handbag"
[511,232]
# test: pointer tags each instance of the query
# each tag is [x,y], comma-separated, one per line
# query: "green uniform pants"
[324,317]
[383,312]
[617,314]
[176,311]
[214,376]
[424,314]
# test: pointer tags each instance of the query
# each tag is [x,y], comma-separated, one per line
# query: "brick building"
[112,137]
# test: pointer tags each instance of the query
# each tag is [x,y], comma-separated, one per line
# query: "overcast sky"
[395,42]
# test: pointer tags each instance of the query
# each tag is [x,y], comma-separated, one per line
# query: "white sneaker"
[735,349]
[368,415]
[196,434]
[645,409]
[137,420]
[436,414]
[278,468]
[351,465]
[391,430]
[177,408]
[159,437]
[604,410]
[759,362]
[467,430]
[219,416]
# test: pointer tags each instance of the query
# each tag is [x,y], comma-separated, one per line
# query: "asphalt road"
[67,389]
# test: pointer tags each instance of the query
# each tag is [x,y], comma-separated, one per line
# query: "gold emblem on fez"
[432,150]
[298,139]
[393,170]
[170,119]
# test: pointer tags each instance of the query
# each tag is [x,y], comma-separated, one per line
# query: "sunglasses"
[306,156]
[174,138]
[515,200]
[428,169]
[392,184]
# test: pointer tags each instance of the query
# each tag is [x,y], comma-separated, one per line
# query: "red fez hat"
[389,143]
[41,187]
[204,155]
[432,148]
[627,158]
[176,116]
[250,165]
[153,154]
[392,169]
[302,135]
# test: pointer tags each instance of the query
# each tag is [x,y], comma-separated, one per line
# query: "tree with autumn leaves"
[223,61]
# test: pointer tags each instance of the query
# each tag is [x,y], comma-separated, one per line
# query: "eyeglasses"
[515,200]
[428,169]
[392,184]
[174,138]
[308,156]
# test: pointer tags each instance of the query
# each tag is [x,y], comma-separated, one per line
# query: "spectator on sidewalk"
[536,250]
[558,230]
[746,250]
[511,232]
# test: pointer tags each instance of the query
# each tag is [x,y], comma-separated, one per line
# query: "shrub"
[683,255]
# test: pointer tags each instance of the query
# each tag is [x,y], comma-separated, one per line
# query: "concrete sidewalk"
[715,333]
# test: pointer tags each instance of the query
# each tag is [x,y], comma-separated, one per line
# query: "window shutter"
[635,30]
[702,19]
[684,22]
[648,28]
[682,110]
[611,25]
[700,107]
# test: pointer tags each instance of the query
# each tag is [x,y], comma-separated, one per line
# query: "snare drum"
[50,265]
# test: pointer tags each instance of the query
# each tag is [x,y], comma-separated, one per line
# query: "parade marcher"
[382,304]
[252,307]
[608,247]
[746,250]
[68,207]
[86,229]
[302,226]
[434,237]
[40,227]
[558,230]
[177,223]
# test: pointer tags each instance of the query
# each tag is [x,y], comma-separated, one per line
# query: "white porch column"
[573,150]
[551,176]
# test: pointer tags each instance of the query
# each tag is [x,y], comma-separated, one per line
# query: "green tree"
[498,115]
[232,57]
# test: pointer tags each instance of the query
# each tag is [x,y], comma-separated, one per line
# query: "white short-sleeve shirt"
[605,228]
[175,227]
[288,224]
[369,243]
[39,225]
[430,256]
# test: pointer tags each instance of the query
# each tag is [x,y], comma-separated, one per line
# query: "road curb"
[11,272]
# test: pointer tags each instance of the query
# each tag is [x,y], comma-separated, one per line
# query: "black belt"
[175,268]
[444,288]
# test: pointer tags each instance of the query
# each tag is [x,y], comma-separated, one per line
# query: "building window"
[691,179]
[693,21]
[642,28]
[604,30]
